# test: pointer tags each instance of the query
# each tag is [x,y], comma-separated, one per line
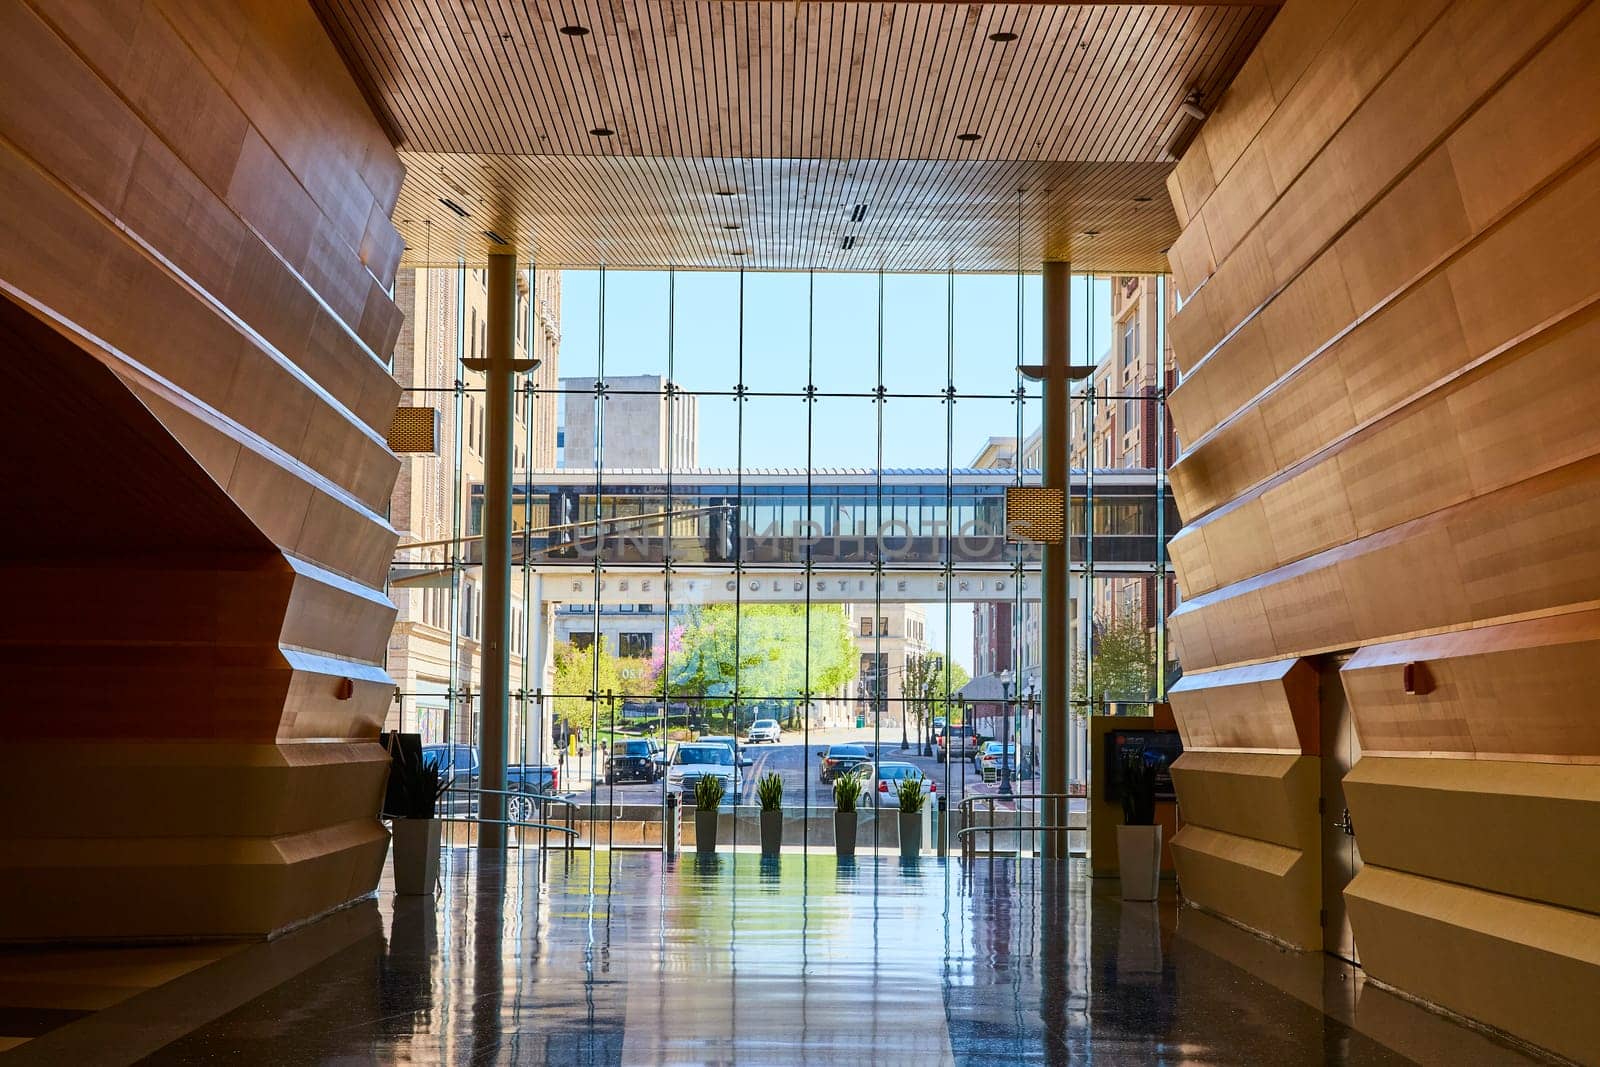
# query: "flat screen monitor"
[1168,744]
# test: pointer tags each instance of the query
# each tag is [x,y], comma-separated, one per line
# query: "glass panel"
[776,331]
[845,345]
[705,331]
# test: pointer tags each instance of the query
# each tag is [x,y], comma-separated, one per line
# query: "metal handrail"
[966,834]
[544,828]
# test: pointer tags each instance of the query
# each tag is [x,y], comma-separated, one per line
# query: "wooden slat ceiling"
[801,111]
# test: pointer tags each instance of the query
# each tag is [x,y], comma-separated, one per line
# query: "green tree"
[576,679]
[925,683]
[1124,662]
[762,651]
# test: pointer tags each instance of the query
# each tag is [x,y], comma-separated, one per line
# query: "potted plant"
[708,792]
[417,833]
[1139,838]
[769,792]
[846,791]
[912,797]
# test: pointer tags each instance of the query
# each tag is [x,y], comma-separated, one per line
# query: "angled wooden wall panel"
[1387,412]
[1456,59]
[1517,691]
[1528,968]
[1465,312]
[1498,424]
[1250,847]
[194,277]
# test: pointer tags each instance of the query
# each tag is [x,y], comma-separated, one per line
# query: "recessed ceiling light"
[602,131]
[1003,37]
[575,31]
[969,136]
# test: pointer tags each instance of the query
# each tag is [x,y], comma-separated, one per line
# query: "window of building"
[1130,344]
[583,641]
[866,626]
[633,646]
[883,626]
[646,609]
[1130,415]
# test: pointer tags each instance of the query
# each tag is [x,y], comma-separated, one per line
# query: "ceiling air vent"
[849,242]
[496,238]
[453,206]
[858,213]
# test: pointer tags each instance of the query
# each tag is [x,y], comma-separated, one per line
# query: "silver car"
[764,730]
[883,781]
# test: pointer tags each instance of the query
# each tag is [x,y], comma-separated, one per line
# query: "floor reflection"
[611,958]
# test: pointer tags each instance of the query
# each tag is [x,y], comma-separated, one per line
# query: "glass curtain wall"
[769,507]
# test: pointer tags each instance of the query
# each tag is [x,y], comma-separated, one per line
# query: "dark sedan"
[838,759]
[633,761]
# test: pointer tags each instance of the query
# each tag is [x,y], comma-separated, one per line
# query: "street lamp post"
[1005,734]
[1033,729]
[927,719]
[904,743]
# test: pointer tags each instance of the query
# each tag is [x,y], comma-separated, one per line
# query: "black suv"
[633,761]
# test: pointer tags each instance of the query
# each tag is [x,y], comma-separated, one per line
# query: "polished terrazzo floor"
[622,958]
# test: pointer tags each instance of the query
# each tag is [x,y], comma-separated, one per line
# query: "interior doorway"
[1341,858]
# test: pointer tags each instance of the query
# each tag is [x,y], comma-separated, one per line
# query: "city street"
[798,763]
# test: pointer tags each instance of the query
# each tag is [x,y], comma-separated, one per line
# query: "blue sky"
[829,323]
[832,321]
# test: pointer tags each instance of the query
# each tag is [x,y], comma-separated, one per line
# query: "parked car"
[527,782]
[766,730]
[989,759]
[454,761]
[693,760]
[961,742]
[461,763]
[632,761]
[883,781]
[837,759]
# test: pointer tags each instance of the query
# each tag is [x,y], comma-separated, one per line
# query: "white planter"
[416,856]
[910,834]
[1139,860]
[771,833]
[705,831]
[844,833]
